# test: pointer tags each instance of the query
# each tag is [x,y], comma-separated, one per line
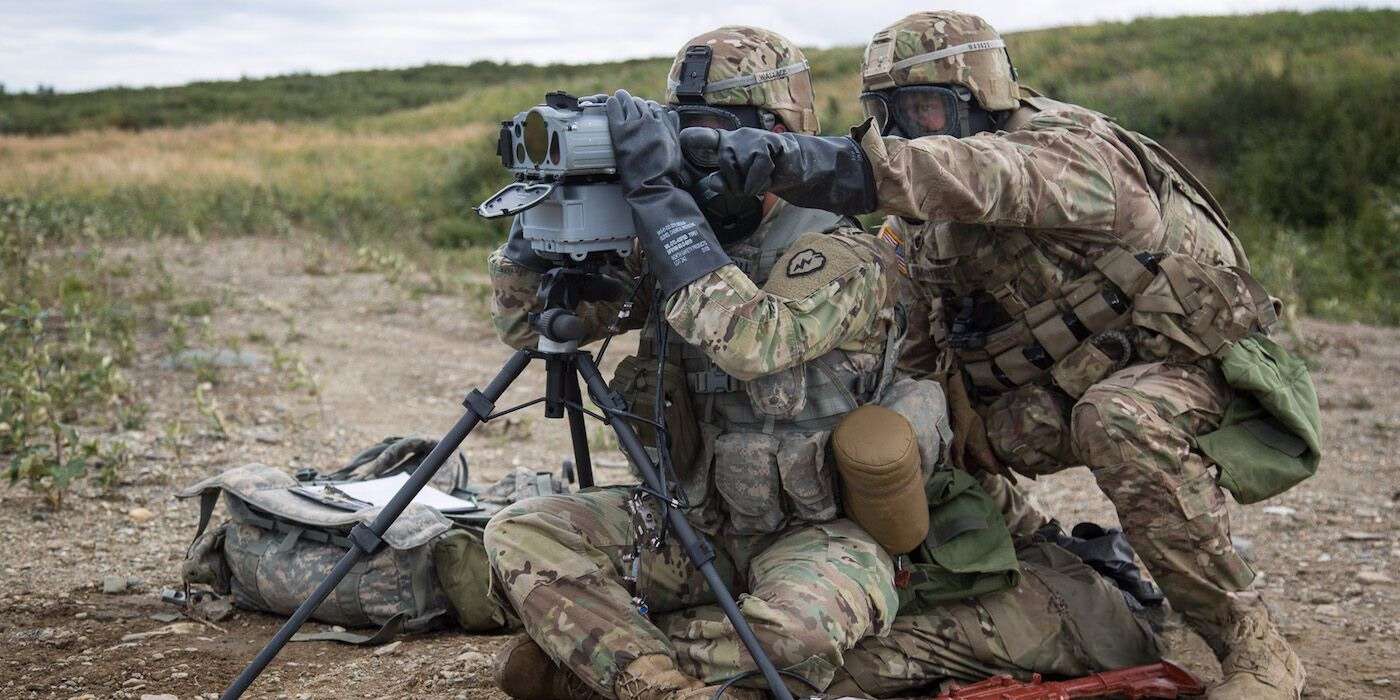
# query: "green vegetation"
[64,335]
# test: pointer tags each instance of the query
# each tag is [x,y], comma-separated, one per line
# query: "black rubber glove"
[679,245]
[1106,551]
[817,172]
[519,251]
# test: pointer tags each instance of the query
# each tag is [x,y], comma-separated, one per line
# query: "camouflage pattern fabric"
[984,71]
[514,295]
[1062,619]
[810,592]
[1135,431]
[740,51]
[750,332]
[1019,216]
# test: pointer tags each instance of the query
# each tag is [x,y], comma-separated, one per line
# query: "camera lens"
[536,137]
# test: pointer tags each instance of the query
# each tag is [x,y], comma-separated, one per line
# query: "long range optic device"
[565,193]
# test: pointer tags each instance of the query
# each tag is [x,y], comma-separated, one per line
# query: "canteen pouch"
[1269,439]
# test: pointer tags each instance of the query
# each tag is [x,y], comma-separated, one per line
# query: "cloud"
[85,44]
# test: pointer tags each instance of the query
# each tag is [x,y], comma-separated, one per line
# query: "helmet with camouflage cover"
[943,47]
[753,67]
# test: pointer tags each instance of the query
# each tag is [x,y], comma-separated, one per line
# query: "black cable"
[615,327]
[719,692]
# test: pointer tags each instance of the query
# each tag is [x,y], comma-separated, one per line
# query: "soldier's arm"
[1061,171]
[825,292]
[514,296]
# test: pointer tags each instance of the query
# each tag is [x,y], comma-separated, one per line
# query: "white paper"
[378,492]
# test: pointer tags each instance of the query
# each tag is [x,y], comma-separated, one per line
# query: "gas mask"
[914,111]
[733,217]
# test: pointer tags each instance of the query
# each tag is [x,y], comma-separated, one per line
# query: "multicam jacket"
[1027,242]
[774,348]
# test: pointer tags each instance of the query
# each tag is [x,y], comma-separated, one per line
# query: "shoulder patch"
[814,261]
[805,262]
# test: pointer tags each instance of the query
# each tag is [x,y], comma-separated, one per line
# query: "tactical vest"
[1016,306]
[762,464]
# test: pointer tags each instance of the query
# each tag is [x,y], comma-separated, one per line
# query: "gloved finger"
[733,165]
[614,109]
[640,110]
[600,98]
[700,144]
[758,178]
[714,182]
[623,100]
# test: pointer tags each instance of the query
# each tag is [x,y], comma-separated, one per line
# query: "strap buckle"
[712,380]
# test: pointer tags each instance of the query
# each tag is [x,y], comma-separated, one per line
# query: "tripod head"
[562,289]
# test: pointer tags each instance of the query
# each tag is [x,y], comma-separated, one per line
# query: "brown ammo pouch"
[636,381]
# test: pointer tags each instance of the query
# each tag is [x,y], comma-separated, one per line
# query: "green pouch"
[464,573]
[1269,439]
[968,551]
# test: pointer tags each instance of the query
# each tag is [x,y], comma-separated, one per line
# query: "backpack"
[278,544]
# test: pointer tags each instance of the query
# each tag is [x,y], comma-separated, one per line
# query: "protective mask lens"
[708,117]
[876,108]
[925,110]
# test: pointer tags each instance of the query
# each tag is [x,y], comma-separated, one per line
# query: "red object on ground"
[1160,680]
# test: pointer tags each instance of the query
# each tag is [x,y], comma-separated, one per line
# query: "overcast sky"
[84,44]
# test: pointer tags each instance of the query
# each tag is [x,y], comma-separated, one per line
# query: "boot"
[652,677]
[656,677]
[1258,662]
[730,693]
[525,672]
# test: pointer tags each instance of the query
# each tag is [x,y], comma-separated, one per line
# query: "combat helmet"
[942,47]
[739,66]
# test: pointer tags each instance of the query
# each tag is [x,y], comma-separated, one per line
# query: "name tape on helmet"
[748,80]
[946,52]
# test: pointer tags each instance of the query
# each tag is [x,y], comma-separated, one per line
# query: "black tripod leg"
[367,539]
[578,431]
[696,548]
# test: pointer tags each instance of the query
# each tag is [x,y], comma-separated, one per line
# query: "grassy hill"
[1288,116]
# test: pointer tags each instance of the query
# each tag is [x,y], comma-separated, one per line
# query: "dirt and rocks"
[304,362]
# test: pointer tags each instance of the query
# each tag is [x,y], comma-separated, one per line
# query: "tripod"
[560,330]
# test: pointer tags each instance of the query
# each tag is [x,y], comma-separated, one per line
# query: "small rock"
[1382,682]
[165,617]
[387,649]
[1244,546]
[1373,577]
[215,610]
[174,628]
[1357,536]
[266,436]
[113,585]
[164,696]
[1329,610]
[1281,511]
[140,516]
[474,659]
[1322,598]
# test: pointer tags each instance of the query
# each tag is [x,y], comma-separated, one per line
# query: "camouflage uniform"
[812,583]
[1033,233]
[1062,619]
